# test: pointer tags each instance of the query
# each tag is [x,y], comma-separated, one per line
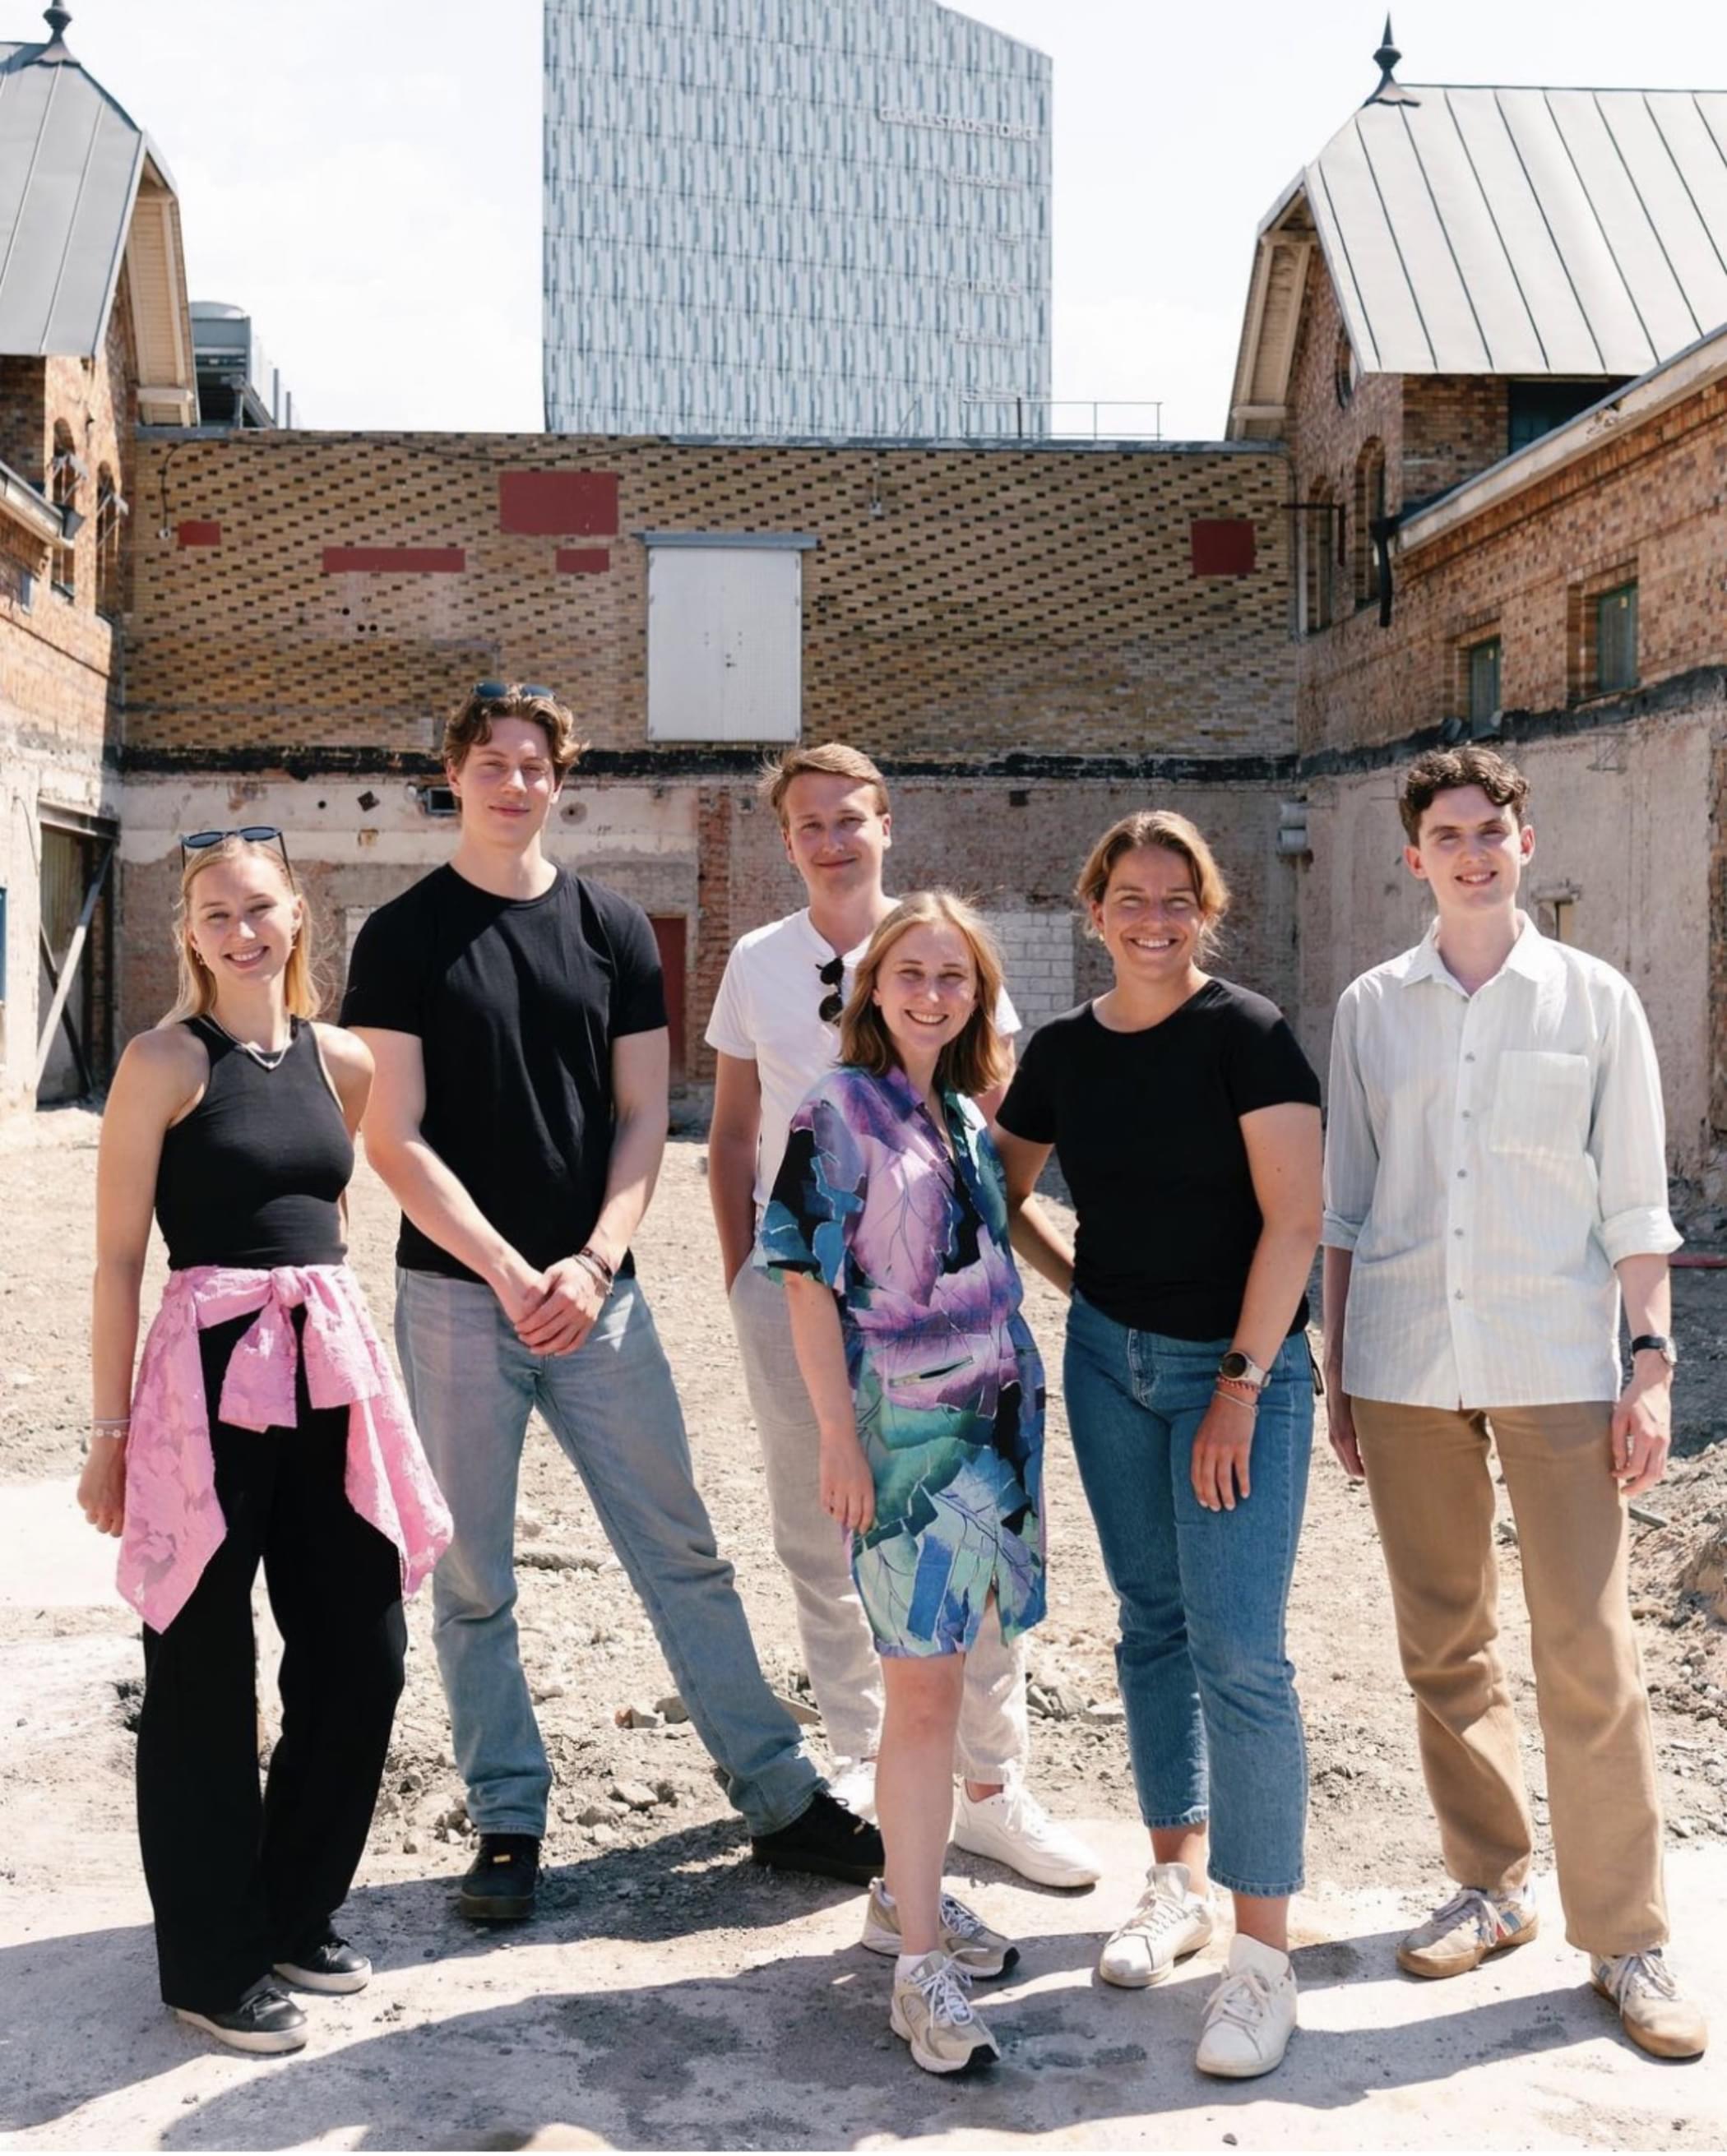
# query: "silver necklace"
[266,1059]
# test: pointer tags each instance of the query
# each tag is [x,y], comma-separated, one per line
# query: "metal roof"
[70,164]
[1494,231]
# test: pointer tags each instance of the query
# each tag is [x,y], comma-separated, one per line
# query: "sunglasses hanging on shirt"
[833,1003]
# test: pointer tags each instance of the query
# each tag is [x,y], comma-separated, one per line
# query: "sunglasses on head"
[833,1003]
[503,692]
[255,834]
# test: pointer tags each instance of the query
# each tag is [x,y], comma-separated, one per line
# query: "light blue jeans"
[613,1408]
[1214,1727]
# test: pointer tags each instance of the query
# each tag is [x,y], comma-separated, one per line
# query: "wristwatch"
[1239,1369]
[1661,1343]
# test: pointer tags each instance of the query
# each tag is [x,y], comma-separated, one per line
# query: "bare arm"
[1340,1420]
[732,1137]
[1642,1420]
[575,1290]
[1283,1160]
[160,1076]
[423,1186]
[1033,1234]
[848,1490]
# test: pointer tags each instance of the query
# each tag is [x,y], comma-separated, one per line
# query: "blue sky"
[365,176]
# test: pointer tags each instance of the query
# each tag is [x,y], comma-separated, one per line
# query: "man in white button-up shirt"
[1495,1183]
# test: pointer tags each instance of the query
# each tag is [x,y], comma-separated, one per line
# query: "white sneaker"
[1251,2016]
[1015,1829]
[853,1784]
[1170,1923]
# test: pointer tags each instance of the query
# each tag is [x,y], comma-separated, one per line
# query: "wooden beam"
[69,967]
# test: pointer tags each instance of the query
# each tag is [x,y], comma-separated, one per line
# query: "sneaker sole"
[980,2055]
[1646,2040]
[1073,1878]
[265,2042]
[818,1867]
[1160,1973]
[1409,1960]
[485,1909]
[312,1979]
[881,1942]
[1243,2073]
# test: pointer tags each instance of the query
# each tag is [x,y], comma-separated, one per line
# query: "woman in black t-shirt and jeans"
[1186,1121]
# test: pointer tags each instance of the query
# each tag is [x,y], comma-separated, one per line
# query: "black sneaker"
[826,1839]
[331,1965]
[500,1884]
[264,2019]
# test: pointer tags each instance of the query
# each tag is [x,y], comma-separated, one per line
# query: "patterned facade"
[793,217]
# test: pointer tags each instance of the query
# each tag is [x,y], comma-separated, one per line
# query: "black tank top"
[252,1176]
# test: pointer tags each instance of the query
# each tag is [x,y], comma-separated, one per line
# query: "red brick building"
[1476,482]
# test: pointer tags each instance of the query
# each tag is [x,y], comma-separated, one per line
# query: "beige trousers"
[1429,1476]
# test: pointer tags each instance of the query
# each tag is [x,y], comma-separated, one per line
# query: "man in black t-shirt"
[518,1017]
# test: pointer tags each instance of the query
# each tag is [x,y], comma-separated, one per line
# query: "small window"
[1370,510]
[64,473]
[1615,639]
[1483,660]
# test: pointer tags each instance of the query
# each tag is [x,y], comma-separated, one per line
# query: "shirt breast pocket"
[1541,1104]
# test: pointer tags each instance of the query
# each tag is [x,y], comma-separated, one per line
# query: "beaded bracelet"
[588,1256]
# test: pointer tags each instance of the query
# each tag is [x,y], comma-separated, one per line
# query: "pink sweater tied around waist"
[173,1523]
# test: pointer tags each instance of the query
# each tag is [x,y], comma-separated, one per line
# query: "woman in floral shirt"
[889,1223]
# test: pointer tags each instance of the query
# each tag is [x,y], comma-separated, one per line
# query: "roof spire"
[56,18]
[1389,92]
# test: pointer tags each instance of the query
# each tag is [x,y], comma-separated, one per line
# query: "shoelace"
[957,1918]
[945,1989]
[1245,1999]
[1472,1904]
[1155,1915]
[1641,1972]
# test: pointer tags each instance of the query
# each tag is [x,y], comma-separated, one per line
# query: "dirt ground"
[672,1867]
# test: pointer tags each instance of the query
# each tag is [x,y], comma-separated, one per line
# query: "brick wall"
[340,591]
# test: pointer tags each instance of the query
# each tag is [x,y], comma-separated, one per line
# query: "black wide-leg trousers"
[240,1878]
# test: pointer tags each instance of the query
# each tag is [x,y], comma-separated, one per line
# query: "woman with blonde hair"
[1186,1120]
[888,1225]
[264,1425]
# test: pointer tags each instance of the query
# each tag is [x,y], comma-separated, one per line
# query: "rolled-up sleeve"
[818,1197]
[1352,1154]
[1627,1138]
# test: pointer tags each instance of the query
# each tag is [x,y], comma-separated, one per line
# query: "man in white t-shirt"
[774,1027]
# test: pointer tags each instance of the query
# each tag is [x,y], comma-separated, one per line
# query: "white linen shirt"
[1489,1160]
[767,1013]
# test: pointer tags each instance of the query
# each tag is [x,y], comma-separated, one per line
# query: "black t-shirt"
[515,1003]
[1147,1128]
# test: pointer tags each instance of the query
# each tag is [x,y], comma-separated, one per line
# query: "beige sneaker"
[1170,1923]
[932,2011]
[1251,2016]
[965,1937]
[1462,1932]
[1651,2008]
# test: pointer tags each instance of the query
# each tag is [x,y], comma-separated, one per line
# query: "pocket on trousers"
[1541,1101]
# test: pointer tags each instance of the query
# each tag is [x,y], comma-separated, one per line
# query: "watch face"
[1235,1364]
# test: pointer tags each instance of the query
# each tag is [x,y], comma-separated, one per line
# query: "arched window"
[111,508]
[1369,509]
[65,475]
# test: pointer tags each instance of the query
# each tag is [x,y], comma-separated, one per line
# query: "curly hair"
[471,722]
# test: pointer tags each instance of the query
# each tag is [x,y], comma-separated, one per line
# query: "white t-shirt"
[767,1013]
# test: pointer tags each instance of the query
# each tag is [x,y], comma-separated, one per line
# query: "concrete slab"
[777,2037]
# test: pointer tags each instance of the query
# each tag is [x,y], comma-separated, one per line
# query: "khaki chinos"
[1430,1478]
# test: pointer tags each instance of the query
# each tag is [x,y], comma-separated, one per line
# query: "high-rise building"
[780,217]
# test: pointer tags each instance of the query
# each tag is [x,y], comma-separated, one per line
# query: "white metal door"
[724,633]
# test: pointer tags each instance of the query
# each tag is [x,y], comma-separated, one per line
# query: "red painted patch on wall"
[199,531]
[558,504]
[407,560]
[1222,547]
[584,560]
